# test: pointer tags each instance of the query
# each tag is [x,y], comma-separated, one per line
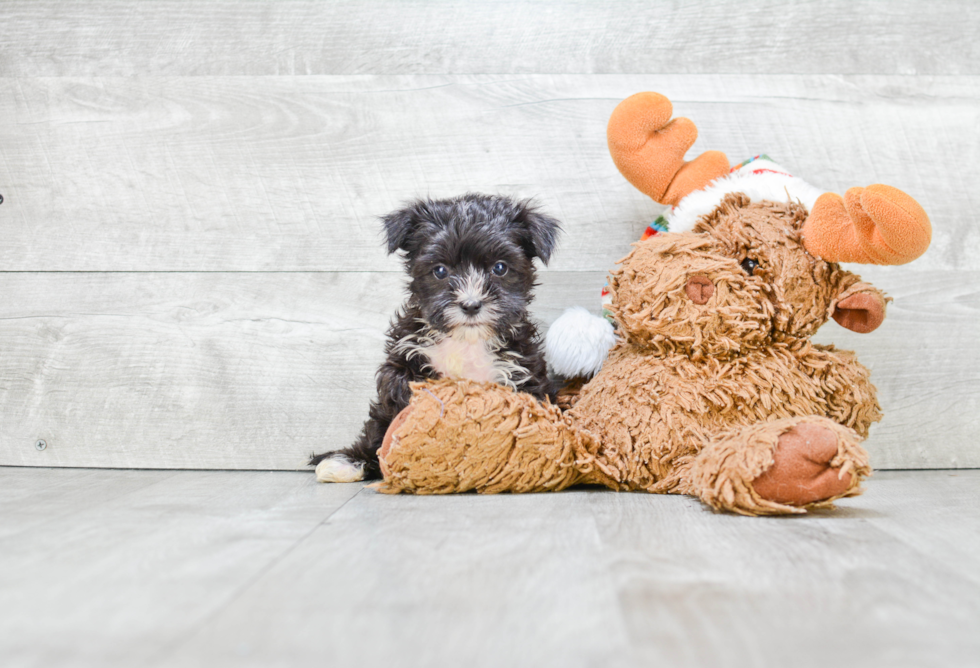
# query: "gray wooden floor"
[168,568]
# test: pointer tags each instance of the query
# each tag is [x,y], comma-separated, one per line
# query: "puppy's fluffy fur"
[471,265]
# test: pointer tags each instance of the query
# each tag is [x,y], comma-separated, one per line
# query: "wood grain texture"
[925,527]
[33,498]
[238,138]
[127,568]
[840,589]
[255,371]
[291,173]
[129,37]
[114,566]
[925,362]
[240,371]
[462,580]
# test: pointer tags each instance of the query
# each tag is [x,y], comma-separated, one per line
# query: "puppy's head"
[471,259]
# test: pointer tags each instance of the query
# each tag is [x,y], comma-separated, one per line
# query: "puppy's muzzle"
[471,307]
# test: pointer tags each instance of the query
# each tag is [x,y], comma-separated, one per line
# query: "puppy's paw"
[339,469]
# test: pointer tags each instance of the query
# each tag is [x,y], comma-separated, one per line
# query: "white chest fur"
[468,355]
[455,358]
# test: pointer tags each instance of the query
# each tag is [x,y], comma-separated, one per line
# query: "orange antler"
[648,148]
[874,225]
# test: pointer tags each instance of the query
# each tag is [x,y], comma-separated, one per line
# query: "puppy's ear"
[540,232]
[399,225]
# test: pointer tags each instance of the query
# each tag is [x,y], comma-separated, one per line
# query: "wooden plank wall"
[191,270]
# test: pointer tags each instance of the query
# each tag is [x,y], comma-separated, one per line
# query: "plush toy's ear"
[860,308]
[399,225]
[539,232]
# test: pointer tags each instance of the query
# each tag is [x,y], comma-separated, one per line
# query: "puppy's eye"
[440,272]
[500,269]
[749,265]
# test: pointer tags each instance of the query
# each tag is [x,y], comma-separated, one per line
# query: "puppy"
[470,261]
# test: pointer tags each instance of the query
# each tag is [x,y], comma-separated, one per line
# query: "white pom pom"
[577,343]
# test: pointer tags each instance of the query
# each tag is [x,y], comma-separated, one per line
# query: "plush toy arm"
[578,342]
[850,397]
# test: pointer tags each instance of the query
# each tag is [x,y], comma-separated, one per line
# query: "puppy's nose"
[700,289]
[471,307]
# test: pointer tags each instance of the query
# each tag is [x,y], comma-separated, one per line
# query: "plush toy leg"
[457,436]
[390,439]
[780,467]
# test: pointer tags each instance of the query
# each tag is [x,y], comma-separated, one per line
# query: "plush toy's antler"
[648,148]
[874,225]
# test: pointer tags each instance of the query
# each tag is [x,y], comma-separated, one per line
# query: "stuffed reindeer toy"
[713,387]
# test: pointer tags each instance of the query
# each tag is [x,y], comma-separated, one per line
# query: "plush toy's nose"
[700,289]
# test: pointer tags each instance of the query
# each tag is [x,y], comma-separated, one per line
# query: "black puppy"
[470,260]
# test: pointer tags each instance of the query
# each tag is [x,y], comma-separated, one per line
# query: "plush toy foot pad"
[806,468]
[461,435]
[780,467]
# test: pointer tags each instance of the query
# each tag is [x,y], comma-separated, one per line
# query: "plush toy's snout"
[686,292]
[699,289]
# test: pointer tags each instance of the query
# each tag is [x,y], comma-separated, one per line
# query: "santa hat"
[759,178]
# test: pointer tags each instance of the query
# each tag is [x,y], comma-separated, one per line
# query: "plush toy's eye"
[440,272]
[500,269]
[749,265]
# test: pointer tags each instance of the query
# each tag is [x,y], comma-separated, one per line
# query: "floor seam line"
[164,653]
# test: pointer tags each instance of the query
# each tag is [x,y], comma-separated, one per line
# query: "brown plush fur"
[696,397]
[464,435]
